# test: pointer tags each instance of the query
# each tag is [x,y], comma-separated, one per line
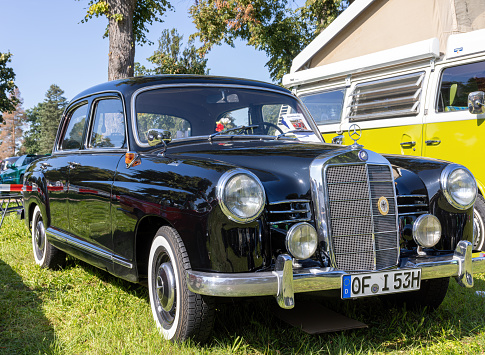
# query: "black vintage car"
[210,187]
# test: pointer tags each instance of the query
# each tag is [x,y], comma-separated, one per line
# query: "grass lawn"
[82,310]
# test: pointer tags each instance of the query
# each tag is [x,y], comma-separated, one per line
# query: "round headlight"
[427,230]
[241,195]
[459,186]
[301,240]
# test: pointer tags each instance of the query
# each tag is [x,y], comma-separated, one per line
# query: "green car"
[14,172]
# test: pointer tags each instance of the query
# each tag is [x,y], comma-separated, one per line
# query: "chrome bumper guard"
[284,282]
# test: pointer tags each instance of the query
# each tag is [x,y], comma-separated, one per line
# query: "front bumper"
[285,281]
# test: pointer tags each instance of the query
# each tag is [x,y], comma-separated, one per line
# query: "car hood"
[282,166]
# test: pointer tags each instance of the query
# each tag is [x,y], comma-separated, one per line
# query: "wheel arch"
[145,233]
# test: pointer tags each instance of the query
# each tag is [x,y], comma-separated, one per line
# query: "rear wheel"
[430,295]
[45,254]
[178,313]
[479,224]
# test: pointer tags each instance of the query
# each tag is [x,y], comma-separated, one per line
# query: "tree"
[128,21]
[44,121]
[11,131]
[169,59]
[8,99]
[267,25]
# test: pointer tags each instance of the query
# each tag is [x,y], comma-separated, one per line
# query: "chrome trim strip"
[65,238]
[419,196]
[412,213]
[291,211]
[291,221]
[415,205]
[288,201]
[320,279]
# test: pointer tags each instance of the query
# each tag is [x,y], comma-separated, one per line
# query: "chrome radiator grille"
[362,237]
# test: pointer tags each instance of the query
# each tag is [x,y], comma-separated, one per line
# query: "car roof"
[130,85]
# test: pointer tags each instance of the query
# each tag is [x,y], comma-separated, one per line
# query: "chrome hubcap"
[165,286]
[39,236]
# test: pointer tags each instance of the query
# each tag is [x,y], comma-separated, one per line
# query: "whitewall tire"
[178,313]
[45,254]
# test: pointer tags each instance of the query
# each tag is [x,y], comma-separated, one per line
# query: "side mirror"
[338,139]
[476,102]
[157,136]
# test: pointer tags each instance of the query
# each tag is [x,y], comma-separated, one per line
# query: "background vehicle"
[6,162]
[409,91]
[187,183]
[14,170]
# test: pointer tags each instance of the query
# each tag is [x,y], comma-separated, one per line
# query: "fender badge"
[383,206]
[363,155]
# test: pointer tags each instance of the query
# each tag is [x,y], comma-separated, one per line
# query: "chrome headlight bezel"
[446,186]
[225,206]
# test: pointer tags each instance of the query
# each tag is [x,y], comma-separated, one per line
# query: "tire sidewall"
[35,219]
[163,242]
[480,211]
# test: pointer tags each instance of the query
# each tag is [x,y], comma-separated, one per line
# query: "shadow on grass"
[23,326]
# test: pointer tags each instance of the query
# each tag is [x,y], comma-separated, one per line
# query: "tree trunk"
[121,39]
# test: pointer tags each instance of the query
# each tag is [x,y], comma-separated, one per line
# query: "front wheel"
[479,224]
[178,313]
[45,254]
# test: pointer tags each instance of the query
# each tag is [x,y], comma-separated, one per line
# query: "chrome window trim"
[214,85]
[94,106]
[89,99]
[321,200]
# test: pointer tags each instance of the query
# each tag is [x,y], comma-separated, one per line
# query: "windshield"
[205,111]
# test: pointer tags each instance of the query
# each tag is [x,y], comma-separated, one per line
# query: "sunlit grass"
[82,310]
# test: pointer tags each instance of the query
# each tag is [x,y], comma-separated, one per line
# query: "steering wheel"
[270,125]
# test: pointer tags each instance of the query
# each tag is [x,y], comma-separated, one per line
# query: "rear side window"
[325,107]
[392,97]
[73,135]
[456,83]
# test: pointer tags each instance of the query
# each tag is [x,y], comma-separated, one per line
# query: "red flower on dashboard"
[219,127]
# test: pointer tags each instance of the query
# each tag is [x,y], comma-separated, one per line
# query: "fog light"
[427,231]
[302,240]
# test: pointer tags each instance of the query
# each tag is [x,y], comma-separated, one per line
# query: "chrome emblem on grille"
[363,155]
[383,205]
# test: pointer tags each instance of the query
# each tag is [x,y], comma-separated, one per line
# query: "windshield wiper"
[284,135]
[240,129]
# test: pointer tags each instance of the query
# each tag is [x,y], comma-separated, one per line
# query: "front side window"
[109,125]
[73,134]
[325,107]
[204,111]
[456,83]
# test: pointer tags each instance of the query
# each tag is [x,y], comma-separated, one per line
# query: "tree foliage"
[128,22]
[169,58]
[44,121]
[8,99]
[268,25]
[11,130]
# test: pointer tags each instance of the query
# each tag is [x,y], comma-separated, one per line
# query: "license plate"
[380,283]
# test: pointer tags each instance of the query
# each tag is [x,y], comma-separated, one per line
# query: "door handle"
[408,144]
[73,164]
[432,142]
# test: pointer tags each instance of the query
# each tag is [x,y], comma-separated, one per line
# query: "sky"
[50,45]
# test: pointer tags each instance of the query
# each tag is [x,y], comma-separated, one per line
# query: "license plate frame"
[380,283]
